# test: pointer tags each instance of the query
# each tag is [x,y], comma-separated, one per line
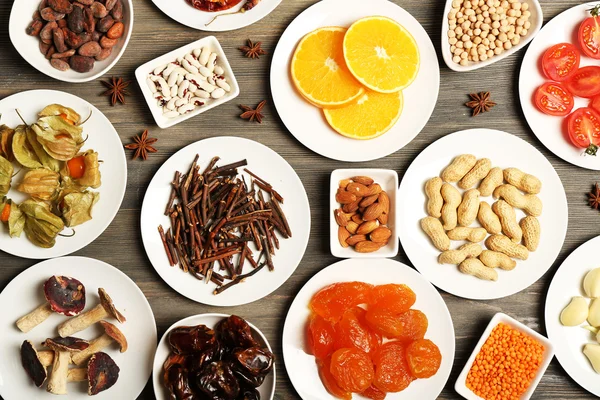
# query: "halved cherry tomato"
[584,129]
[76,167]
[552,98]
[560,61]
[5,213]
[589,34]
[595,103]
[585,82]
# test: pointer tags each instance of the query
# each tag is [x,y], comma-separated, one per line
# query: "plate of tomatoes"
[382,334]
[559,85]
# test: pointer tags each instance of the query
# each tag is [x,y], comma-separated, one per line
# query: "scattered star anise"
[142,145]
[116,90]
[252,50]
[253,114]
[594,197]
[480,103]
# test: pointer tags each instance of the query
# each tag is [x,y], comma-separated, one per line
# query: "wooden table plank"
[155,34]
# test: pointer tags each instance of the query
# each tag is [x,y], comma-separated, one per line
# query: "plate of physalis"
[54,150]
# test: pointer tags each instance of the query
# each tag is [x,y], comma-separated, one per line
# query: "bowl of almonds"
[68,40]
[363,219]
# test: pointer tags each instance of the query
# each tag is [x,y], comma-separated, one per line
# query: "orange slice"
[319,71]
[381,54]
[371,116]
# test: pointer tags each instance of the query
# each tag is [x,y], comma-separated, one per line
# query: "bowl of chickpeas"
[476,33]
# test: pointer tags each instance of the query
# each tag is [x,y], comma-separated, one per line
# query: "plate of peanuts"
[482,214]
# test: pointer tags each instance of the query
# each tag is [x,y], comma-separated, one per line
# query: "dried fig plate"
[28,46]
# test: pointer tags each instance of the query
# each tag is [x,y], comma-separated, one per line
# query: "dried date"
[217,382]
[34,28]
[61,6]
[59,64]
[50,15]
[81,64]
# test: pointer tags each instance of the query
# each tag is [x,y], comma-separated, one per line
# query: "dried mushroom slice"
[40,183]
[41,226]
[16,220]
[60,139]
[22,150]
[39,151]
[103,373]
[77,207]
[6,173]
[111,335]
[59,110]
[32,364]
[6,138]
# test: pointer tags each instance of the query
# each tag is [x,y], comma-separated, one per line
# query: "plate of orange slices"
[355,83]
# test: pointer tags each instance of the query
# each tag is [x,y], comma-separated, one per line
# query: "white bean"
[211,80]
[151,85]
[153,78]
[160,69]
[171,114]
[205,71]
[185,108]
[210,64]
[222,84]
[197,101]
[181,102]
[174,91]
[219,70]
[195,77]
[179,60]
[157,95]
[171,104]
[202,94]
[172,79]
[189,58]
[170,68]
[196,52]
[204,55]
[164,87]
[189,67]
[182,88]
[192,87]
[206,86]
[180,78]
[217,93]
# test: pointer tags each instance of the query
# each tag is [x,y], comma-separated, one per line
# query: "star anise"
[480,102]
[594,197]
[252,50]
[142,145]
[253,114]
[116,90]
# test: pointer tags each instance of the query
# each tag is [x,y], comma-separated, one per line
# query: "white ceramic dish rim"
[460,385]
[391,249]
[447,55]
[141,73]
[196,320]
[56,74]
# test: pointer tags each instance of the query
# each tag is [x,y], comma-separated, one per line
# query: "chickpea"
[464,54]
[452,40]
[516,40]
[490,53]
[527,25]
[507,45]
[451,34]
[485,42]
[475,57]
[510,35]
[460,45]
[456,3]
[458,31]
[487,20]
[468,45]
[524,32]
[477,32]
[464,62]
[495,32]
[452,48]
[524,7]
[483,57]
[477,40]
[472,18]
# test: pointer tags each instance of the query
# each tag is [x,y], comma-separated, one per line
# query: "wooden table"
[155,34]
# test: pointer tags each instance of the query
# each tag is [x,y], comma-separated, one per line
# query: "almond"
[373,211]
[367,227]
[341,218]
[374,189]
[352,227]
[343,235]
[367,246]
[383,219]
[344,183]
[357,218]
[367,201]
[365,180]
[384,199]
[381,235]
[352,240]
[351,207]
[344,197]
[358,189]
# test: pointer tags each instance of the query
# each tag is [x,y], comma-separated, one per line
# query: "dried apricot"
[329,381]
[373,393]
[391,369]
[408,326]
[352,369]
[332,301]
[392,297]
[423,358]
[321,336]
[353,331]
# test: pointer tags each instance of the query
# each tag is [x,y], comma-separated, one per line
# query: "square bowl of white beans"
[477,33]
[187,81]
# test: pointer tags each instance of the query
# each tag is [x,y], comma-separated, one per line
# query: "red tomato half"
[552,98]
[560,61]
[589,34]
[585,82]
[584,129]
[595,103]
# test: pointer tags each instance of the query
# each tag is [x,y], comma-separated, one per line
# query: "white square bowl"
[461,387]
[388,180]
[142,72]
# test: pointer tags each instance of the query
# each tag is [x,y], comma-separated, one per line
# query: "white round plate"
[568,341]
[301,366]
[265,163]
[28,46]
[182,12]
[139,329]
[103,138]
[504,150]
[266,390]
[306,122]
[551,130]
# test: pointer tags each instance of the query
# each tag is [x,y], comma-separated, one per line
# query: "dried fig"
[90,49]
[46,32]
[50,15]
[89,23]
[75,20]
[117,11]
[98,10]
[107,43]
[81,63]
[105,24]
[61,6]
[65,54]
[34,28]
[59,40]
[104,54]
[116,31]
[110,4]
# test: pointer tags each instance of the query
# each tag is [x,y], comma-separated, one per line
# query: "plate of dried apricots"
[351,334]
[348,80]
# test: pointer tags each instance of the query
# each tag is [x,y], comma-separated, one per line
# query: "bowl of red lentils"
[507,363]
[476,33]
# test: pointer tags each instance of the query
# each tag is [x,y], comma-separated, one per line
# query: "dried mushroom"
[39,151]
[111,335]
[32,364]
[41,184]
[60,139]
[67,113]
[6,138]
[41,225]
[77,207]
[22,150]
[63,348]
[102,373]
[6,173]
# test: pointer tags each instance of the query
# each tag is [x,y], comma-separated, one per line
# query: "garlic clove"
[592,352]
[594,313]
[591,283]
[575,313]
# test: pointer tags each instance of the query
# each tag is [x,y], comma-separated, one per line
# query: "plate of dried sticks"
[225,231]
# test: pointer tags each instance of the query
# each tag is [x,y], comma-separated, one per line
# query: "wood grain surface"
[155,34]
